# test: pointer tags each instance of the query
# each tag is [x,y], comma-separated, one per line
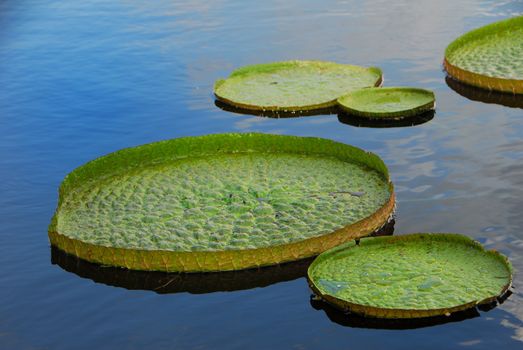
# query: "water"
[81,79]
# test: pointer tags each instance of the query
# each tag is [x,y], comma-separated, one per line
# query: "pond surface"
[82,79]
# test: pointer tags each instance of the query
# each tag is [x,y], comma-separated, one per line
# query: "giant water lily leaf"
[489,57]
[220,202]
[293,85]
[410,276]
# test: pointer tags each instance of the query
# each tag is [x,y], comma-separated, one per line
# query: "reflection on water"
[343,117]
[355,321]
[351,320]
[486,96]
[274,114]
[195,283]
[80,79]
[376,123]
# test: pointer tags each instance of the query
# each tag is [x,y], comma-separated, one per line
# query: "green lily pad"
[411,276]
[489,57]
[293,85]
[387,103]
[220,202]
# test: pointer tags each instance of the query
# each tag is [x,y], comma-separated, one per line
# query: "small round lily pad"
[410,276]
[220,202]
[293,85]
[489,57]
[387,103]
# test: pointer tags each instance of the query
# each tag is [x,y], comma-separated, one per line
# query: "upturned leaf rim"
[399,313]
[274,67]
[514,86]
[226,260]
[345,102]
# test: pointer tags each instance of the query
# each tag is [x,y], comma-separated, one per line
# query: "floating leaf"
[293,85]
[489,57]
[410,276]
[220,202]
[387,103]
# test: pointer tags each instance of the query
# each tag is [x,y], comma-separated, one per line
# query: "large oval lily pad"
[220,202]
[489,57]
[411,276]
[293,85]
[387,103]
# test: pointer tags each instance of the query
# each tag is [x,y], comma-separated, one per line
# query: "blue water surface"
[80,79]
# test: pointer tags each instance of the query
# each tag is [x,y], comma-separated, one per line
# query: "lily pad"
[489,57]
[220,202]
[387,103]
[411,276]
[293,85]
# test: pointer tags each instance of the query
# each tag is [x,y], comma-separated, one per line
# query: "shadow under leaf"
[171,282]
[485,96]
[353,120]
[356,321]
[274,114]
